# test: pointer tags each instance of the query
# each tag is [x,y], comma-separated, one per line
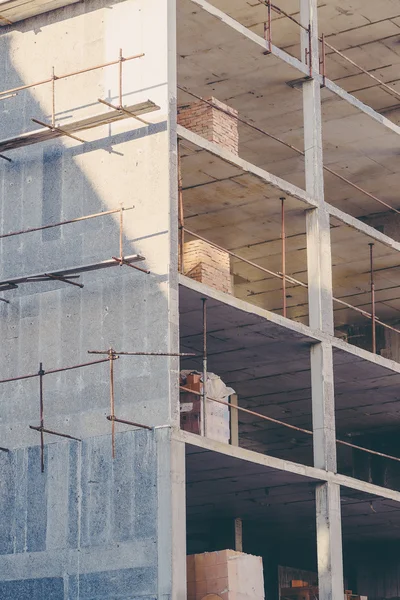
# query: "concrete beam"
[285,465]
[227,20]
[297,64]
[284,186]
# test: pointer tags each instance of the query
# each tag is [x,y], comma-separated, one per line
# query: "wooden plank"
[43,135]
[17,10]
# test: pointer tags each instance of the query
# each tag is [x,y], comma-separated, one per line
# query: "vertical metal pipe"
[204,300]
[323,60]
[372,284]
[53,98]
[181,215]
[121,233]
[111,356]
[120,77]
[310,49]
[268,27]
[41,410]
[283,236]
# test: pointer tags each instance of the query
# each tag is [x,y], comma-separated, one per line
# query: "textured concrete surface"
[88,527]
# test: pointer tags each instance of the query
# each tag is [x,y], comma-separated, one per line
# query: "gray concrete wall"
[89,527]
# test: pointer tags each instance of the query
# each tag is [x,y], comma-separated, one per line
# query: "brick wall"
[230,575]
[211,123]
[207,264]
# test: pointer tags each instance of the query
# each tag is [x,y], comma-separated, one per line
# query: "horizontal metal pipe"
[382,83]
[287,425]
[51,432]
[249,262]
[143,353]
[112,418]
[86,217]
[292,280]
[66,75]
[30,376]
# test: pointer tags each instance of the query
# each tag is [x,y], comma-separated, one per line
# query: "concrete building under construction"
[199,300]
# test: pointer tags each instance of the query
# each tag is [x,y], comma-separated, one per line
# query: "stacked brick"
[228,574]
[208,265]
[219,126]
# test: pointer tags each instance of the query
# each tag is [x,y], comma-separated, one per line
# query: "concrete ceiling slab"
[269,368]
[223,63]
[240,212]
[220,486]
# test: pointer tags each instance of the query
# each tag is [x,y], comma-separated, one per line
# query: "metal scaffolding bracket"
[58,130]
[41,428]
[112,356]
[67,274]
[69,129]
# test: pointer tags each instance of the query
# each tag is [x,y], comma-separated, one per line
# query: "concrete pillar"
[329,537]
[329,542]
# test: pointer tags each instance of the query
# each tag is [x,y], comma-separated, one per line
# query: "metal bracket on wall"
[41,428]
[52,130]
[67,275]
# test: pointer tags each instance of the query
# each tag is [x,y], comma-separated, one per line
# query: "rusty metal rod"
[310,51]
[283,236]
[58,129]
[128,264]
[115,419]
[51,432]
[66,75]
[53,99]
[143,353]
[382,83]
[181,216]
[41,411]
[50,371]
[111,356]
[291,280]
[300,152]
[372,284]
[249,262]
[124,110]
[121,58]
[121,234]
[280,11]
[323,60]
[64,279]
[84,218]
[268,27]
[204,423]
[5,158]
[288,425]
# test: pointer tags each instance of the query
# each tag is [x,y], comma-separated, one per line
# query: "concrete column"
[319,263]
[329,542]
